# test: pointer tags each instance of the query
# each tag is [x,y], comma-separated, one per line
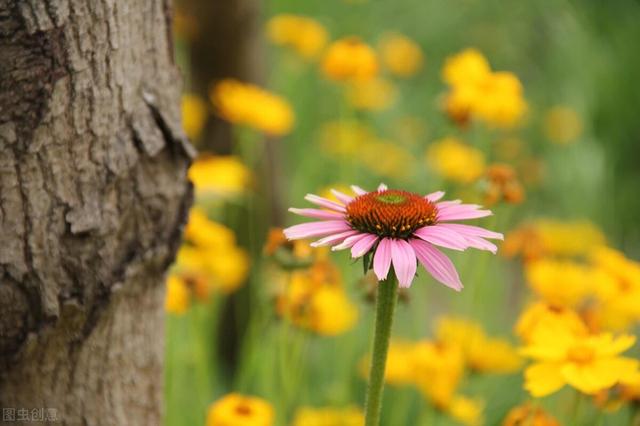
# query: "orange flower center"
[243,409]
[391,213]
[581,354]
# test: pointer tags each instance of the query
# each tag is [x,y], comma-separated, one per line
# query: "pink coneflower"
[397,227]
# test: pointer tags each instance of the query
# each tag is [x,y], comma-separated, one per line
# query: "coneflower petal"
[436,234]
[437,264]
[382,259]
[317,213]
[342,197]
[315,229]
[404,262]
[323,202]
[333,239]
[363,246]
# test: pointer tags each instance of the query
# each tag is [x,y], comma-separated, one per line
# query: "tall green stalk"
[385,308]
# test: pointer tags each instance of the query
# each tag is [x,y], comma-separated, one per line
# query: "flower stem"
[385,307]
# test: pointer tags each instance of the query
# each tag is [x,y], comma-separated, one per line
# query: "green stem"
[385,307]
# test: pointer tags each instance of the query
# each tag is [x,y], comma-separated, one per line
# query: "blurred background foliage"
[274,117]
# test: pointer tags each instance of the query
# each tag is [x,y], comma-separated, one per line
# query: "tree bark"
[93,196]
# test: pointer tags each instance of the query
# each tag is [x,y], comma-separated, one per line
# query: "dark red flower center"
[391,213]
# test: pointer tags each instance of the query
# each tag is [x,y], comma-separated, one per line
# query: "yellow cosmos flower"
[545,237]
[350,59]
[562,125]
[468,67]
[400,363]
[438,370]
[560,283]
[400,55]
[528,415]
[454,160]
[220,175]
[304,35]
[482,353]
[250,105]
[541,316]
[589,363]
[314,299]
[240,410]
[476,91]
[500,100]
[177,296]
[375,94]
[194,115]
[467,411]
[307,416]
[206,233]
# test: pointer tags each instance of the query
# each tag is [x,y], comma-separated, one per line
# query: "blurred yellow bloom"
[304,35]
[194,115]
[544,237]
[350,59]
[177,296]
[467,411]
[229,268]
[400,363]
[307,416]
[482,353]
[315,300]
[560,282]
[500,100]
[438,370]
[468,67]
[346,137]
[476,91]
[454,160]
[589,363]
[250,105]
[387,159]
[400,55]
[617,290]
[375,94]
[541,317]
[562,125]
[240,410]
[206,233]
[220,175]
[502,185]
[529,415]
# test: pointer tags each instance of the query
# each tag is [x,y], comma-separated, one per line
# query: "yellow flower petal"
[543,379]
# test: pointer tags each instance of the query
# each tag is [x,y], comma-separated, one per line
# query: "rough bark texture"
[93,196]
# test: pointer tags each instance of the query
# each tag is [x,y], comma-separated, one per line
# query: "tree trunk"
[93,196]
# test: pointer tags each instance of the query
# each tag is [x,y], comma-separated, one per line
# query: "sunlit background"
[528,108]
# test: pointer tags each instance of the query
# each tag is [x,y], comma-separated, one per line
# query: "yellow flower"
[560,283]
[400,55]
[350,59]
[562,125]
[206,233]
[543,237]
[541,316]
[499,101]
[589,363]
[387,159]
[229,268]
[346,138]
[438,370]
[177,296]
[246,104]
[375,94]
[467,411]
[400,363]
[307,416]
[529,415]
[482,353]
[304,35]
[468,67]
[315,300]
[494,97]
[502,185]
[240,410]
[220,175]
[455,160]
[194,115]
